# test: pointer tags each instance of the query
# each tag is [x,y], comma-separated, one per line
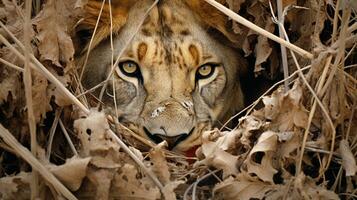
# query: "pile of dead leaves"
[301,143]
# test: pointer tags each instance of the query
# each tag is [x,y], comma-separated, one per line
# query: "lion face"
[173,81]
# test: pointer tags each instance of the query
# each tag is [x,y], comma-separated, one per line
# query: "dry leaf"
[54,25]
[9,84]
[60,99]
[128,184]
[242,187]
[248,124]
[235,5]
[168,191]
[228,139]
[161,169]
[348,159]
[216,156]
[262,48]
[72,172]
[306,188]
[14,22]
[102,180]
[159,163]
[41,99]
[285,110]
[15,187]
[267,144]
[288,143]
[96,141]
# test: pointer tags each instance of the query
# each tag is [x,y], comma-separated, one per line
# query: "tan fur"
[169,48]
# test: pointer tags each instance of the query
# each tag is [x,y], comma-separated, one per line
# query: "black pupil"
[131,65]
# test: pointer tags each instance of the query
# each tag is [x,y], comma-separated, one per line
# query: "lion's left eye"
[205,71]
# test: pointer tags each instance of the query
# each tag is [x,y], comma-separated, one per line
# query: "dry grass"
[310,127]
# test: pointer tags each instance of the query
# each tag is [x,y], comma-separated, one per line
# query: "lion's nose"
[172,141]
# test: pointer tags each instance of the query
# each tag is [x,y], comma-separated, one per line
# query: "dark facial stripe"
[142,48]
[195,54]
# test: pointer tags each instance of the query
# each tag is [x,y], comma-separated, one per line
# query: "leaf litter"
[258,159]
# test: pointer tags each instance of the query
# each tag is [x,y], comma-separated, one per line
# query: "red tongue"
[191,153]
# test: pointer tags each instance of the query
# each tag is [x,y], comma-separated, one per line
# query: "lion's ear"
[214,19]
[92,9]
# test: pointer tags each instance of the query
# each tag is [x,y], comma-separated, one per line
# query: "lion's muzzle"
[170,120]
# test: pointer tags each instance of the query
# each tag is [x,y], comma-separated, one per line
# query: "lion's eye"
[129,68]
[205,71]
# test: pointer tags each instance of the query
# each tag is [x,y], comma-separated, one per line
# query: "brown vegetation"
[301,143]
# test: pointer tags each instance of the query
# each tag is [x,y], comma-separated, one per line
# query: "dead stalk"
[335,20]
[341,52]
[27,79]
[112,60]
[52,133]
[11,65]
[280,22]
[71,145]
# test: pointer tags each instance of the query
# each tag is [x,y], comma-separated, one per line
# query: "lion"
[177,77]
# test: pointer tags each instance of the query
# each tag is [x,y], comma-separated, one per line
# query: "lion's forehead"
[177,54]
[170,35]
[169,19]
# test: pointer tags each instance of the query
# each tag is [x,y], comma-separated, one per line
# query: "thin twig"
[11,65]
[259,30]
[321,151]
[71,145]
[193,186]
[350,120]
[91,41]
[194,189]
[52,133]
[90,90]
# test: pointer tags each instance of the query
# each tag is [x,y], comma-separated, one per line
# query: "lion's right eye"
[205,71]
[130,68]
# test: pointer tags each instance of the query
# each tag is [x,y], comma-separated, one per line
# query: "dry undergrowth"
[301,143]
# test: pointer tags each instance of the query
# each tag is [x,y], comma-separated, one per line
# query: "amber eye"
[130,68]
[205,71]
